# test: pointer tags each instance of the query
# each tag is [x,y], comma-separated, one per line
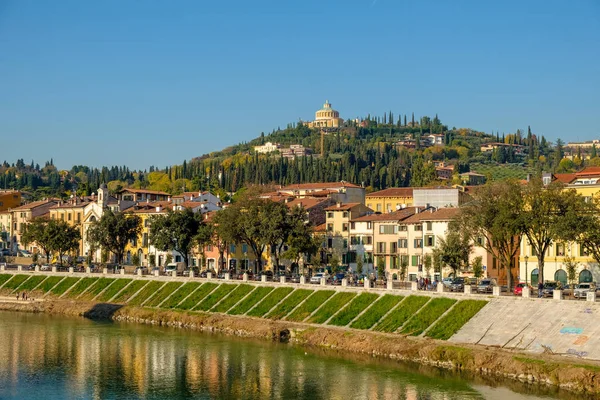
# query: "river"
[54,357]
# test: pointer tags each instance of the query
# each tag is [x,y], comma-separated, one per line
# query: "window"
[418,243]
[369,205]
[367,240]
[429,226]
[354,240]
[345,227]
[69,216]
[418,228]
[147,223]
[329,215]
[345,214]
[583,252]
[381,247]
[403,243]
[78,217]
[244,248]
[402,228]
[369,225]
[480,241]
[429,241]
[329,227]
[329,243]
[560,249]
[209,247]
[368,257]
[145,240]
[416,260]
[388,229]
[404,260]
[394,262]
[134,242]
[345,243]
[352,225]
[379,207]
[393,247]
[232,248]
[352,257]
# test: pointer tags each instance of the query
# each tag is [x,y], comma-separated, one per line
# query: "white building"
[267,148]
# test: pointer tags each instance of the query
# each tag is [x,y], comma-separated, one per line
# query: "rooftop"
[393,192]
[399,215]
[320,185]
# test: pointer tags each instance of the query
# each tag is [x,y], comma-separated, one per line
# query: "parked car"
[316,278]
[583,289]
[4,252]
[486,286]
[46,267]
[457,285]
[518,291]
[295,278]
[143,269]
[204,274]
[549,287]
[568,290]
[447,281]
[24,253]
[240,275]
[188,270]
[174,266]
[337,278]
[268,274]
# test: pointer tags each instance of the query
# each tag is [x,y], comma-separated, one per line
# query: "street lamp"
[526,273]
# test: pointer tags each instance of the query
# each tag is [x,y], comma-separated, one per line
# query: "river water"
[51,357]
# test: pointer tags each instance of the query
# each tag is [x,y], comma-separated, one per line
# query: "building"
[472,179]
[326,117]
[296,150]
[137,195]
[389,200]
[338,219]
[267,148]
[518,149]
[24,214]
[439,197]
[444,173]
[434,140]
[71,212]
[6,232]
[9,199]
[584,145]
[340,192]
[315,208]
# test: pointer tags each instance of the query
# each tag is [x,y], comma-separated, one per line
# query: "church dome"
[327,112]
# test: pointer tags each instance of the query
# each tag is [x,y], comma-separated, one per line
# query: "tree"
[571,267]
[204,237]
[380,267]
[403,267]
[113,231]
[36,232]
[175,230]
[427,263]
[359,265]
[135,260]
[278,226]
[300,240]
[455,249]
[64,238]
[550,213]
[334,263]
[477,267]
[495,220]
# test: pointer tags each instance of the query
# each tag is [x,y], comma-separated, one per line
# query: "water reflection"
[56,358]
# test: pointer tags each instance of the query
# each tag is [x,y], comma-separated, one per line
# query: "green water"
[49,357]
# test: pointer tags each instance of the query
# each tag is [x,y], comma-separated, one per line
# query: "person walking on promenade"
[540,289]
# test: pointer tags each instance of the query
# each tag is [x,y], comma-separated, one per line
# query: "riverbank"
[570,374]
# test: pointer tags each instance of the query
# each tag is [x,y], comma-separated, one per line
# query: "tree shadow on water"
[102,311]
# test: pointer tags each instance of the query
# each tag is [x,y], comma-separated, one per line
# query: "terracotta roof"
[306,203]
[441,214]
[399,215]
[319,185]
[393,192]
[191,204]
[342,207]
[321,228]
[565,178]
[32,205]
[143,191]
[81,204]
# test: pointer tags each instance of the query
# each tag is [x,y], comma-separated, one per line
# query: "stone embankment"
[450,331]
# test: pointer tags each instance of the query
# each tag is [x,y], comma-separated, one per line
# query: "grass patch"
[198,295]
[310,305]
[162,294]
[80,287]
[239,293]
[400,315]
[358,305]
[49,283]
[384,304]
[113,289]
[289,304]
[64,285]
[180,294]
[332,306]
[269,302]
[32,282]
[213,298]
[427,316]
[257,294]
[149,290]
[96,288]
[129,291]
[459,356]
[527,360]
[4,278]
[455,319]
[15,282]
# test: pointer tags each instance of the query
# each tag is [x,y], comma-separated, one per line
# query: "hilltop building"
[326,117]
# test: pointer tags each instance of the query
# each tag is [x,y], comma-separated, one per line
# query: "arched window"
[585,276]
[561,276]
[535,274]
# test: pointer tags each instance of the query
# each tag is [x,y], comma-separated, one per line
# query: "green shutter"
[415,261]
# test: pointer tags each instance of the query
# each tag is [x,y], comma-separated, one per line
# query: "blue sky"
[143,83]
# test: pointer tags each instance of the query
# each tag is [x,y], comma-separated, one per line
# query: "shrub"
[49,283]
[289,304]
[113,289]
[310,305]
[213,298]
[270,301]
[180,294]
[32,282]
[401,314]
[80,287]
[450,323]
[257,294]
[332,306]
[96,288]
[359,304]
[198,295]
[428,314]
[239,293]
[15,282]
[162,294]
[64,285]
[129,291]
[149,290]
[384,304]
[135,260]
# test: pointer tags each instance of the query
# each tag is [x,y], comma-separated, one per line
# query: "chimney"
[338,204]
[416,210]
[169,199]
[158,209]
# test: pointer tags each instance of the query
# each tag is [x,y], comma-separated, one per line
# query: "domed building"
[326,117]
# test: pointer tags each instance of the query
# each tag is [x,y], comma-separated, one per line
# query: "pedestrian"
[23,295]
[540,289]
[17,296]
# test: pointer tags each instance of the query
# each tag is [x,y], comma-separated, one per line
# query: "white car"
[583,289]
[316,278]
[46,267]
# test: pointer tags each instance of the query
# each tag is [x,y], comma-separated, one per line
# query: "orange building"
[9,199]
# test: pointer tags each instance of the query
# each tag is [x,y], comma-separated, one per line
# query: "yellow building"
[326,117]
[389,200]
[338,219]
[72,213]
[9,199]
[141,245]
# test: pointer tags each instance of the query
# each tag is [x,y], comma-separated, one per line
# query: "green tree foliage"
[175,230]
[113,231]
[380,267]
[36,232]
[477,267]
[64,238]
[454,249]
[427,264]
[359,265]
